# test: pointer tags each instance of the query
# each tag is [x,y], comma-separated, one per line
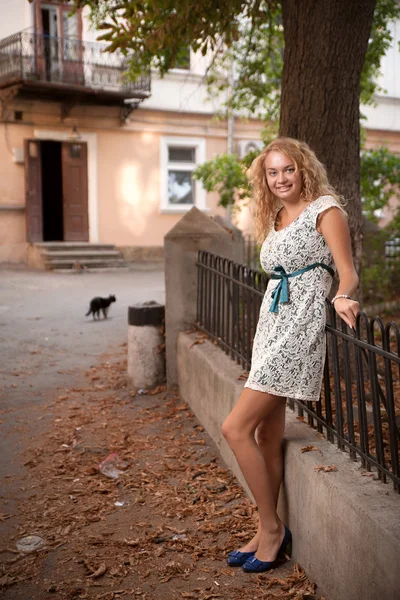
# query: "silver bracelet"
[341,296]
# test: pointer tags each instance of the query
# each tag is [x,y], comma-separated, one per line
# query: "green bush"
[380,276]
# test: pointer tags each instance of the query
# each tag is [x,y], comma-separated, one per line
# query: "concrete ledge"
[346,527]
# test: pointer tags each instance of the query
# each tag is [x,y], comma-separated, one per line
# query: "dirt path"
[160,531]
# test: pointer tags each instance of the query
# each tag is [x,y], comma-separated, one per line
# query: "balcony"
[67,70]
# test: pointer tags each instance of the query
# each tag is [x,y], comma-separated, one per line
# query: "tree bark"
[325,46]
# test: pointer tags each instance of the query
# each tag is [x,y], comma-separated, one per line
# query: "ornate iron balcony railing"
[70,61]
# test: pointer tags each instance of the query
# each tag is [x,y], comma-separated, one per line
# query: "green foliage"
[380,179]
[393,228]
[225,174]
[380,277]
[379,41]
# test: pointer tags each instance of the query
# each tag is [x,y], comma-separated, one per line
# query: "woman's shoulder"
[322,204]
[326,201]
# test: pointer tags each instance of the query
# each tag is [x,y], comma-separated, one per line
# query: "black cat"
[100,304]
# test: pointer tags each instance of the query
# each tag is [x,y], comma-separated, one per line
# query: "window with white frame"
[179,158]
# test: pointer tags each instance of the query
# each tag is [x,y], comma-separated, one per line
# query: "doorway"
[52,210]
[56,185]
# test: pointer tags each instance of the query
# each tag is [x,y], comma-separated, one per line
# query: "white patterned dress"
[289,345]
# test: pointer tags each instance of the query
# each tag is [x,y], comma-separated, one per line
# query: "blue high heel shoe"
[237,558]
[254,565]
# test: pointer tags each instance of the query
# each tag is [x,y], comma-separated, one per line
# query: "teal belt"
[281,293]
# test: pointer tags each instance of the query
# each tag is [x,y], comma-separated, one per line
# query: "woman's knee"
[226,429]
[231,432]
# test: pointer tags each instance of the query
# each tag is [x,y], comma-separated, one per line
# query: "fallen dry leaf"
[157,390]
[243,377]
[309,449]
[99,572]
[4,517]
[132,542]
[230,572]
[199,341]
[326,468]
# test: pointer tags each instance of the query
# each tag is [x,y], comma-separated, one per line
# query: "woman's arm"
[333,225]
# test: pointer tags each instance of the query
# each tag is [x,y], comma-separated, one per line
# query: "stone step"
[66,263]
[72,246]
[105,269]
[64,256]
[80,254]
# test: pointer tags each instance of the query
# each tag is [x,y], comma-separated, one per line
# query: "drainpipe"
[231,116]
[231,126]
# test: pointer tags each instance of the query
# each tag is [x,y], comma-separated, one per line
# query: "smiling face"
[283,178]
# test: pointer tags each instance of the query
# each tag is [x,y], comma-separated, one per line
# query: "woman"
[303,223]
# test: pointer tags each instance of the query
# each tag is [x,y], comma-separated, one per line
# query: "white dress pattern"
[289,346]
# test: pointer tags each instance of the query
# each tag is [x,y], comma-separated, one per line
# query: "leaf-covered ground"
[159,531]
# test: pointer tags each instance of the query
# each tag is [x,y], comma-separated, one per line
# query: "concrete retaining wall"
[346,527]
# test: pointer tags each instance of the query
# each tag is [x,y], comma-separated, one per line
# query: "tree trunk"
[325,46]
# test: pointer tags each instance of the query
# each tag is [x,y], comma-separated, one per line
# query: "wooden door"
[71,46]
[58,43]
[33,191]
[75,191]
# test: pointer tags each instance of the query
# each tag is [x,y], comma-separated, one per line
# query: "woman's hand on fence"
[347,310]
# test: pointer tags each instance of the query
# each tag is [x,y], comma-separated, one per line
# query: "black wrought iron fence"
[359,408]
[251,252]
[30,56]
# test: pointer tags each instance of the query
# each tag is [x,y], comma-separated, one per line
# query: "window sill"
[180,210]
[179,70]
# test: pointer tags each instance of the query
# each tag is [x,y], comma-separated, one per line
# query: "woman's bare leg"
[269,437]
[239,428]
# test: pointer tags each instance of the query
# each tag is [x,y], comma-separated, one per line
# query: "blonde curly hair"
[314,181]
